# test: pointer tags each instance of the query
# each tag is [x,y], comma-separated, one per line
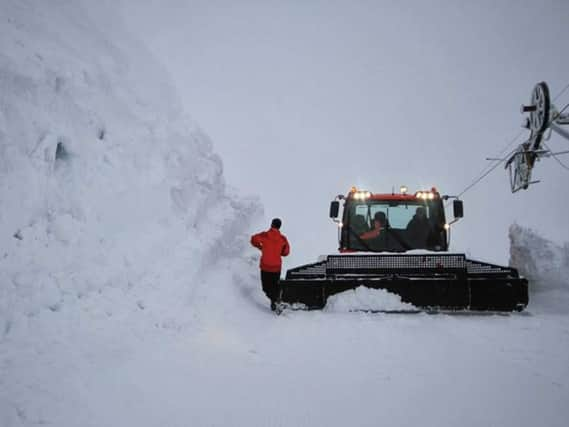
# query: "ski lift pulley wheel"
[540,104]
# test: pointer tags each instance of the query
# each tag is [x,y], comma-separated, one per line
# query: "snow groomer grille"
[477,267]
[318,269]
[387,264]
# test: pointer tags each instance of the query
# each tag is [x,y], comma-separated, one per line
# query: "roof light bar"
[359,194]
[426,195]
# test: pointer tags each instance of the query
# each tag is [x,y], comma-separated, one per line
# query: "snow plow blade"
[431,282]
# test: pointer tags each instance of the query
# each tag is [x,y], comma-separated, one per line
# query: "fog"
[302,100]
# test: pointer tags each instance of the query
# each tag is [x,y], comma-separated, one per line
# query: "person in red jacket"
[273,246]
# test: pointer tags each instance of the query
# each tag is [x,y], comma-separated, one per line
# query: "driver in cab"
[379,222]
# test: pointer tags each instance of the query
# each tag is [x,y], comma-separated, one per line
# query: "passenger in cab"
[419,228]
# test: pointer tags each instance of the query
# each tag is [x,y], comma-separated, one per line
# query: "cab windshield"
[394,226]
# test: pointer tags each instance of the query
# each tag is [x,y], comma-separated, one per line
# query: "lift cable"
[562,110]
[555,156]
[488,169]
[561,93]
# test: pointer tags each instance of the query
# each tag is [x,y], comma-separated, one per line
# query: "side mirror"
[458,209]
[334,209]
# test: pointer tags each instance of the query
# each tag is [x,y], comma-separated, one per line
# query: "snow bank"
[367,299]
[544,263]
[105,186]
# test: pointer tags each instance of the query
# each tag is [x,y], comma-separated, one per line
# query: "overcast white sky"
[304,99]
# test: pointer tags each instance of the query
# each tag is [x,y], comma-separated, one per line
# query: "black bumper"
[432,282]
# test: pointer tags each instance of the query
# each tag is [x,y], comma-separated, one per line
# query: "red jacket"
[273,245]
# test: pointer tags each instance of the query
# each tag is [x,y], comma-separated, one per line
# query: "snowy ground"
[235,363]
[222,358]
[129,297]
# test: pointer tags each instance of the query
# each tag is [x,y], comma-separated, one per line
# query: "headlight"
[361,195]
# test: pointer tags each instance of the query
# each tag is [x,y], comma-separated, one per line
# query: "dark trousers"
[270,283]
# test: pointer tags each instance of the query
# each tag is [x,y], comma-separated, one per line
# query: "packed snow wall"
[543,262]
[104,183]
[546,266]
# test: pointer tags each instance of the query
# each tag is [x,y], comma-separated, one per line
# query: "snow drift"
[104,184]
[366,299]
[544,263]
[546,266]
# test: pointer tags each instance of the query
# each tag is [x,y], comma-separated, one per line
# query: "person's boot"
[273,306]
